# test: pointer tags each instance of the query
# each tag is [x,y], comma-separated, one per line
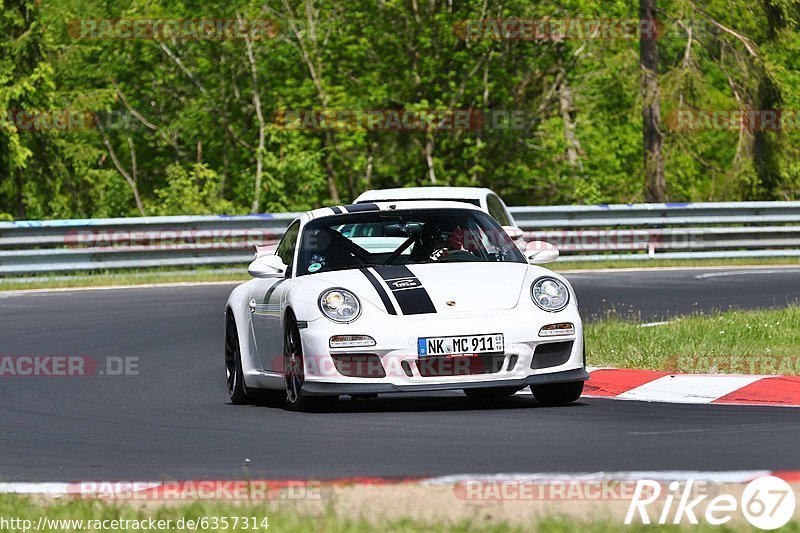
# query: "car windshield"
[407,237]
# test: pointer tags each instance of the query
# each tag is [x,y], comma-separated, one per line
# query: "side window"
[286,248]
[497,210]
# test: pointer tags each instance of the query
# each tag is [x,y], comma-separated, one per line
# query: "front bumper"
[328,388]
[520,365]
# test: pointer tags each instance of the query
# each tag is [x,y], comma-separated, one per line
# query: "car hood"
[451,287]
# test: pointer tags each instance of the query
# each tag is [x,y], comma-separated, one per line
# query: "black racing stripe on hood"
[407,289]
[414,301]
[394,272]
[387,302]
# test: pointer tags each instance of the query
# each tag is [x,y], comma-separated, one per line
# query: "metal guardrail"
[50,246]
[653,215]
[582,233]
[710,230]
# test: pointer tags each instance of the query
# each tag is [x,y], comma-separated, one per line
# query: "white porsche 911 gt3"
[374,298]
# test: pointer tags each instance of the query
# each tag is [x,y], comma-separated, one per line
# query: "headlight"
[550,294]
[339,305]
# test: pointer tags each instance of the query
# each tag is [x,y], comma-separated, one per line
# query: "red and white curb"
[732,476]
[206,489]
[658,386]
[243,489]
[229,489]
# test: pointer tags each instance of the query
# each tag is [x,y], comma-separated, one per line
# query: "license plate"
[459,345]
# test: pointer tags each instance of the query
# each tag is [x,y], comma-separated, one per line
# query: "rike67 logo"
[767,502]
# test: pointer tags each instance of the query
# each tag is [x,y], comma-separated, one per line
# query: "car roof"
[427,193]
[385,206]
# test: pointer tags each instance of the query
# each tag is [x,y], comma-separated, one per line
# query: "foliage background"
[195,148]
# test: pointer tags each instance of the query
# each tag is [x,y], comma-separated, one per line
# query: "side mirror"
[513,232]
[540,252]
[269,266]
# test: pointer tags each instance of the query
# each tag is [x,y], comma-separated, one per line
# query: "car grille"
[460,366]
[362,365]
[551,354]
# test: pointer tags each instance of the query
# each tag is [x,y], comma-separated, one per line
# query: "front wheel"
[238,391]
[234,375]
[557,393]
[294,372]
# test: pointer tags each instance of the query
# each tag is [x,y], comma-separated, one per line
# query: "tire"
[234,375]
[493,393]
[294,369]
[557,393]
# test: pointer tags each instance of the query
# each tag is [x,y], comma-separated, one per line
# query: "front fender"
[238,305]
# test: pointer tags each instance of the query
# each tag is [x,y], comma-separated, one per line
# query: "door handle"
[252,305]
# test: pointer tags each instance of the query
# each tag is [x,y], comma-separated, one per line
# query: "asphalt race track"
[656,295]
[173,421]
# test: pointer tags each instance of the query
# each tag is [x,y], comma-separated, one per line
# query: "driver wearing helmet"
[437,243]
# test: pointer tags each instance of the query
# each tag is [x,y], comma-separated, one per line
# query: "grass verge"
[763,341]
[206,515]
[102,279]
